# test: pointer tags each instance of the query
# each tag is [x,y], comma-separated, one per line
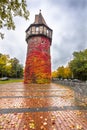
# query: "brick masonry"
[38,61]
[40,107]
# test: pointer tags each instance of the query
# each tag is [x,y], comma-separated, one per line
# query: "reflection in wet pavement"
[36,95]
[40,107]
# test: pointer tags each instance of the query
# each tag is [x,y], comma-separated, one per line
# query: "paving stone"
[40,107]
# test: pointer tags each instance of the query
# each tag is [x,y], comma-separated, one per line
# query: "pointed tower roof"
[39,19]
[39,27]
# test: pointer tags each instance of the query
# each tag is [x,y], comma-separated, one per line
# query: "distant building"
[38,60]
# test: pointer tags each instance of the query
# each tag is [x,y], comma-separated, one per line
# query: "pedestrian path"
[40,107]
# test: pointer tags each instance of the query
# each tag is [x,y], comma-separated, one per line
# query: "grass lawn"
[11,81]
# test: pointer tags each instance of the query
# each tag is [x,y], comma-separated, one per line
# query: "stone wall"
[80,89]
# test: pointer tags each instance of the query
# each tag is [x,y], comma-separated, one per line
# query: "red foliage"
[38,61]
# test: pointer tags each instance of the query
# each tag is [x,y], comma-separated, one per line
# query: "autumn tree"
[4,63]
[54,74]
[10,67]
[79,65]
[10,9]
[16,68]
[62,72]
[67,73]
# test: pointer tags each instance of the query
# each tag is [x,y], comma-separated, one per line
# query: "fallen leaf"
[72,126]
[45,123]
[42,127]
[41,117]
[32,124]
[79,127]
[45,119]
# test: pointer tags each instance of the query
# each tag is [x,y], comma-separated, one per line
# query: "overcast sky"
[67,19]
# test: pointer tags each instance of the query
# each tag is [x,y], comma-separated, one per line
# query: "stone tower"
[38,60]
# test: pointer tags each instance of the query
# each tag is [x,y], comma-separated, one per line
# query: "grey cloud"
[77,4]
[73,39]
[67,18]
[73,4]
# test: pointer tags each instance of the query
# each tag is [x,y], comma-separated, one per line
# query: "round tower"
[38,60]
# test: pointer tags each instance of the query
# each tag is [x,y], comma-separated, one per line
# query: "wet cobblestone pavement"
[40,107]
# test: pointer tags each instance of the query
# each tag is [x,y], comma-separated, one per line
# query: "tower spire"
[40,11]
[39,19]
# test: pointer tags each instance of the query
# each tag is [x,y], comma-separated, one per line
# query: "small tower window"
[41,29]
[37,29]
[30,31]
[50,34]
[42,42]
[33,30]
[47,32]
